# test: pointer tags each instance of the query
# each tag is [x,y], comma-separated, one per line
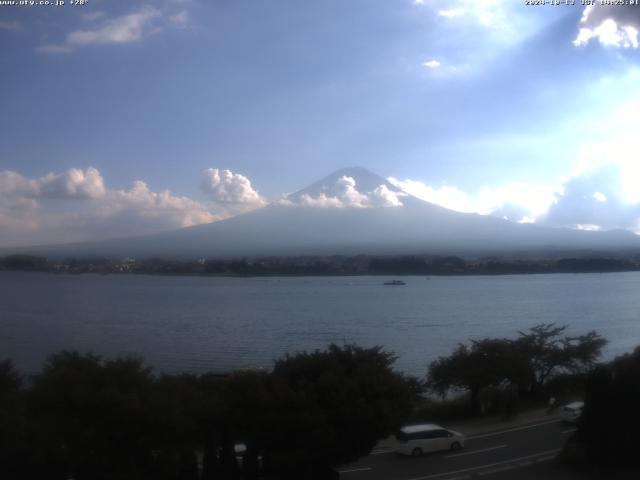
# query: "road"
[487,455]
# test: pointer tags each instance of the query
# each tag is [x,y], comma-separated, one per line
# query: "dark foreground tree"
[12,421]
[612,414]
[485,363]
[548,353]
[90,418]
[176,409]
[331,407]
[526,363]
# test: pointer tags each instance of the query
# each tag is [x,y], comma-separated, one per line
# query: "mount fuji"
[352,211]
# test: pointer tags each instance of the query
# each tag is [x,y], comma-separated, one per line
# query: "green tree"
[611,412]
[485,363]
[12,421]
[548,352]
[332,406]
[176,407]
[91,416]
[527,362]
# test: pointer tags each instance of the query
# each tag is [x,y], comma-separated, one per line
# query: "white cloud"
[615,26]
[74,183]
[12,25]
[452,12]
[18,220]
[381,196]
[445,196]
[477,32]
[157,210]
[614,143]
[14,184]
[489,13]
[321,201]
[600,197]
[76,206]
[345,194]
[431,64]
[180,19]
[224,186]
[595,197]
[600,188]
[587,227]
[121,30]
[592,198]
[124,29]
[348,193]
[519,202]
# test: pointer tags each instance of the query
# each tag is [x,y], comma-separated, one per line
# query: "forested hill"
[334,265]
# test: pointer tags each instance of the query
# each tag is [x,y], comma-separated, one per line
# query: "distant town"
[324,265]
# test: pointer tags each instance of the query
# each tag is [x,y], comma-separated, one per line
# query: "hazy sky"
[126,117]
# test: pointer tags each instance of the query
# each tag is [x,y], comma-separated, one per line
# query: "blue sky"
[122,117]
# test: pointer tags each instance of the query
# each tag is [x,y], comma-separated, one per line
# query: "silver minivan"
[416,440]
[572,412]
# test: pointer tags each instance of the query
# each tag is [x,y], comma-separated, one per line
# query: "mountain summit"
[352,211]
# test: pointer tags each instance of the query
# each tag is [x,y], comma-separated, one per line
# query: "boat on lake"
[395,282]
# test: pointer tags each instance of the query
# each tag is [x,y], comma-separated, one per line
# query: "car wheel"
[456,446]
[417,452]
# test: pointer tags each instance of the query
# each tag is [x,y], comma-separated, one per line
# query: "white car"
[572,412]
[416,440]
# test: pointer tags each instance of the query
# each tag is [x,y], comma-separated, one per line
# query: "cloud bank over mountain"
[224,186]
[345,193]
[592,198]
[78,205]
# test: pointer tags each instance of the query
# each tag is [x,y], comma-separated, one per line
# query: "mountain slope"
[415,227]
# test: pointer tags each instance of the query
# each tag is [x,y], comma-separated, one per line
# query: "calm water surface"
[200,324]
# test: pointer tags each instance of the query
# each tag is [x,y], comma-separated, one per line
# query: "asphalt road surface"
[493,455]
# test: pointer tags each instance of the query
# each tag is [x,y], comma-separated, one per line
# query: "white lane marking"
[509,430]
[363,469]
[380,452]
[496,470]
[545,459]
[571,430]
[480,467]
[476,451]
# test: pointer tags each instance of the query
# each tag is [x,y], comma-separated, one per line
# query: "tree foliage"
[88,418]
[528,362]
[91,416]
[344,400]
[12,431]
[611,414]
[548,352]
[485,363]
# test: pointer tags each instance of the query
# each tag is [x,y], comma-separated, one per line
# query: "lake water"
[202,324]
